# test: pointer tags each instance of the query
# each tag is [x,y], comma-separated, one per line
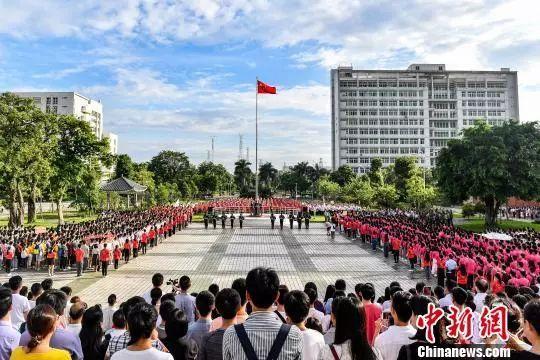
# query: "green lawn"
[49,219]
[477,225]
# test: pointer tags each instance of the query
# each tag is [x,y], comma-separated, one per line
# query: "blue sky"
[172,74]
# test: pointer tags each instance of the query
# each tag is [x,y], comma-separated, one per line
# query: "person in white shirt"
[350,340]
[108,312]
[157,282]
[388,343]
[20,304]
[36,290]
[481,286]
[447,300]
[142,328]
[76,312]
[314,313]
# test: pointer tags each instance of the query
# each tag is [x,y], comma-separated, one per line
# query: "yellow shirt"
[53,354]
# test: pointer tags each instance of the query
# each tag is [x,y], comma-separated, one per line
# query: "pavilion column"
[108,201]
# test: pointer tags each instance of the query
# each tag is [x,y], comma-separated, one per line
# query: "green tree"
[268,176]
[375,172]
[212,178]
[327,188]
[343,175]
[145,177]
[492,164]
[358,191]
[77,147]
[243,177]
[386,196]
[124,166]
[404,168]
[419,194]
[174,167]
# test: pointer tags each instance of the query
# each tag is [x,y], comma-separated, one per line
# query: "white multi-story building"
[113,142]
[391,113]
[70,103]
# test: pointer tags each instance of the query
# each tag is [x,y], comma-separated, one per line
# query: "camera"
[173,282]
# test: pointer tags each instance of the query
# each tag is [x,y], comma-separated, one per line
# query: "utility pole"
[213,137]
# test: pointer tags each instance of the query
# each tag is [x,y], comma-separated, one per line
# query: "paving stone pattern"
[222,255]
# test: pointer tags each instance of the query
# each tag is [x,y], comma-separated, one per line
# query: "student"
[108,312]
[373,311]
[350,337]
[76,312]
[184,301]
[9,337]
[228,304]
[179,345]
[166,309]
[205,304]
[240,286]
[61,338]
[297,306]
[79,258]
[157,282]
[388,343]
[118,325]
[104,257]
[117,254]
[531,331]
[141,323]
[20,305]
[41,327]
[262,288]
[93,344]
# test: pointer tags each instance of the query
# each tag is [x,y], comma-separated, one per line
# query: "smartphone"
[427,290]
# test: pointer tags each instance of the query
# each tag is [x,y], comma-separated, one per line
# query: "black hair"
[155,295]
[228,303]
[531,313]
[214,289]
[401,303]
[262,285]
[314,324]
[47,284]
[119,320]
[23,291]
[438,291]
[340,284]
[312,295]
[204,302]
[91,334]
[15,282]
[283,290]
[141,322]
[296,306]
[511,290]
[351,325]
[76,311]
[358,291]
[166,308]
[310,285]
[482,285]
[36,288]
[167,297]
[420,287]
[67,290]
[176,326]
[450,284]
[330,292]
[157,279]
[111,300]
[130,303]
[419,306]
[55,298]
[459,295]
[5,301]
[185,283]
[367,291]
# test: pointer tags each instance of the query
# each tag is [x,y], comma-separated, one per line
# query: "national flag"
[263,88]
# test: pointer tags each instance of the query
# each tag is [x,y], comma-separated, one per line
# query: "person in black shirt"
[307,216]
[205,221]
[214,220]
[223,219]
[299,220]
[281,219]
[232,217]
[180,347]
[241,220]
[291,219]
[272,219]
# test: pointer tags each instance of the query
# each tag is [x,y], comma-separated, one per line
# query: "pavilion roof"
[123,185]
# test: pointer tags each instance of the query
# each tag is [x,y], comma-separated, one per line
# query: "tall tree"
[268,175]
[343,175]
[404,168]
[243,176]
[375,172]
[77,147]
[174,167]
[358,191]
[492,164]
[124,166]
[327,188]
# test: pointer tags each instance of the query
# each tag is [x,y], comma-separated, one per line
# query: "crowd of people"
[258,317]
[91,245]
[432,243]
[520,212]
[246,206]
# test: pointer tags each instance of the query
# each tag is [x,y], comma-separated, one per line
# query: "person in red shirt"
[104,257]
[9,258]
[411,256]
[127,250]
[373,311]
[135,247]
[144,241]
[396,245]
[117,254]
[79,257]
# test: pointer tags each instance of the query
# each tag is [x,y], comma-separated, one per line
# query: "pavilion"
[123,186]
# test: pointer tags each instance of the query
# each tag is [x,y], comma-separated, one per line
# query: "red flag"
[263,88]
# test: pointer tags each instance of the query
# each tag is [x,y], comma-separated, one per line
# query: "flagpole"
[256,140]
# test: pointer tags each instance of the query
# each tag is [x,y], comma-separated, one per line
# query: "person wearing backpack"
[262,335]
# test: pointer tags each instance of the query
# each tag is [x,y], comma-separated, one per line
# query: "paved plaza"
[222,255]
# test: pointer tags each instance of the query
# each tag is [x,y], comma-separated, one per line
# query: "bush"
[468,209]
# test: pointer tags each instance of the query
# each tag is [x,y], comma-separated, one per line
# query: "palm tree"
[268,174]
[242,173]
